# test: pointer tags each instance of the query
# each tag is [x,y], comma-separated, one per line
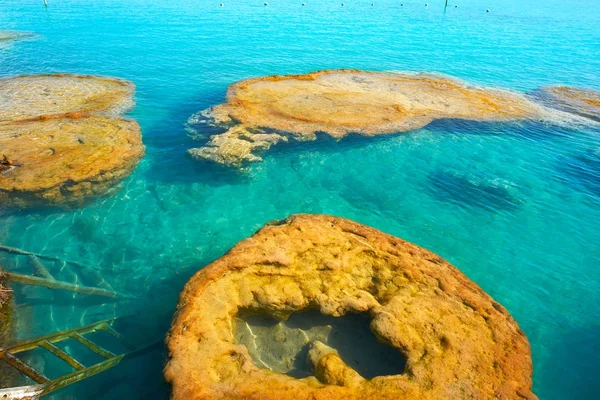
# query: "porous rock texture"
[261,112]
[584,102]
[459,343]
[61,139]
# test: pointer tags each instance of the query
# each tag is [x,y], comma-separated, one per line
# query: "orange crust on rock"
[263,111]
[61,139]
[459,343]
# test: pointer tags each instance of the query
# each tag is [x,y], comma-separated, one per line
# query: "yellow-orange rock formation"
[61,141]
[263,111]
[458,342]
[584,102]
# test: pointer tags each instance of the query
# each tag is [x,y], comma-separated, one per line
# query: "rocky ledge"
[583,102]
[456,341]
[62,140]
[261,112]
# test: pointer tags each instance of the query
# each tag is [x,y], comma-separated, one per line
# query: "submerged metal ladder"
[44,385]
[46,279]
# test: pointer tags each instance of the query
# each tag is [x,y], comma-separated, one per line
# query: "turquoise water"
[515,206]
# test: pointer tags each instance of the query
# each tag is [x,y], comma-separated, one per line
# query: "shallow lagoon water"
[514,205]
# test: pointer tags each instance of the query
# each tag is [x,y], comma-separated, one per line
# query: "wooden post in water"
[46,3]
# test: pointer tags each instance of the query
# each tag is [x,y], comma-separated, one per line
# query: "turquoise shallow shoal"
[516,206]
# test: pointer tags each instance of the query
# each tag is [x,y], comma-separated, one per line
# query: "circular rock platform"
[263,111]
[458,343]
[61,139]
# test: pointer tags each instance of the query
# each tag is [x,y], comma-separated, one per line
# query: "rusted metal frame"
[76,376]
[103,288]
[63,355]
[54,284]
[57,337]
[40,268]
[24,368]
[46,386]
[32,392]
[92,346]
[14,250]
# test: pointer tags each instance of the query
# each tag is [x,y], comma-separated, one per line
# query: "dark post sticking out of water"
[46,3]
[446,6]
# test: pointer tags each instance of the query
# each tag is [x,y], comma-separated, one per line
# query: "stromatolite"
[263,111]
[458,342]
[62,139]
[6,36]
[584,102]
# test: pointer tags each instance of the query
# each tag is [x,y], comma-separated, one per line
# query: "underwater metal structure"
[44,385]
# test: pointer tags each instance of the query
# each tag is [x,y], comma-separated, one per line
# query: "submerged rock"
[583,102]
[14,35]
[32,96]
[472,188]
[457,342]
[261,112]
[61,141]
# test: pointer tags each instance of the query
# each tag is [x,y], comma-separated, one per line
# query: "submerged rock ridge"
[458,343]
[6,36]
[62,140]
[583,102]
[261,112]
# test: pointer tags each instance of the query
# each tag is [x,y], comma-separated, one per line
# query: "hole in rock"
[282,346]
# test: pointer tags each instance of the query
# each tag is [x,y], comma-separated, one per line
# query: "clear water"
[514,206]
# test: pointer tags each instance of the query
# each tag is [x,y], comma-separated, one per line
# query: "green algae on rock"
[456,341]
[264,111]
[61,139]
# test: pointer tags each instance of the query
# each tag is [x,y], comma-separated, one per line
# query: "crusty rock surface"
[584,102]
[61,141]
[261,112]
[459,343]
[31,96]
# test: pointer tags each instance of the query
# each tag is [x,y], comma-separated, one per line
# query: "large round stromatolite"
[458,342]
[263,111]
[62,139]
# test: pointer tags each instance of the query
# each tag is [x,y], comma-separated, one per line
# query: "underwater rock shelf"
[62,140]
[261,112]
[583,102]
[5,36]
[449,338]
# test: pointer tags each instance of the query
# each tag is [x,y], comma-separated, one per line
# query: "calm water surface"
[515,206]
